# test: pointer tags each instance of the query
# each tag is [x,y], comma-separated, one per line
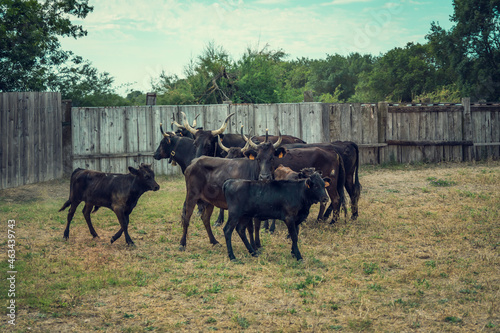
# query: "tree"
[210,78]
[399,75]
[338,75]
[31,57]
[29,44]
[260,76]
[469,53]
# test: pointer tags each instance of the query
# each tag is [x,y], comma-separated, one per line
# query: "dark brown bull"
[118,192]
[349,152]
[206,175]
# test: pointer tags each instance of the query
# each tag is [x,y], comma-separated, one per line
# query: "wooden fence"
[408,133]
[30,137]
[33,125]
[110,139]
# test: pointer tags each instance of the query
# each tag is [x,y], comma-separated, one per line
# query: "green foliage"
[259,76]
[469,53]
[399,75]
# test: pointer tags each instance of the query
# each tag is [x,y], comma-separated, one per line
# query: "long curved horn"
[278,143]
[194,121]
[223,127]
[177,124]
[245,148]
[186,125]
[221,145]
[249,142]
[162,132]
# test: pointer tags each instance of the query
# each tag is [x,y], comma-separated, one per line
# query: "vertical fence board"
[30,148]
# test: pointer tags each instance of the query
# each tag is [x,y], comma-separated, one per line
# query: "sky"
[134,41]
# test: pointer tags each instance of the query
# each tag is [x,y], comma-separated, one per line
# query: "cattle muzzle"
[265,177]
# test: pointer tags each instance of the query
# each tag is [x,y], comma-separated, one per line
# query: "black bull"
[349,152]
[289,201]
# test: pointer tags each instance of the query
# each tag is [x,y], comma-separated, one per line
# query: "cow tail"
[68,202]
[341,183]
[66,205]
[357,185]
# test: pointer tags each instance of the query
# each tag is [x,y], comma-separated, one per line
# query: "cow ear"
[250,154]
[280,152]
[328,181]
[133,171]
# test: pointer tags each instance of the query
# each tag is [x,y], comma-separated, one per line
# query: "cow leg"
[243,224]
[335,201]
[187,211]
[328,211]
[228,232]
[292,231]
[250,228]
[124,220]
[256,224]
[271,227]
[71,213]
[354,191]
[220,219]
[205,217]
[86,213]
[321,212]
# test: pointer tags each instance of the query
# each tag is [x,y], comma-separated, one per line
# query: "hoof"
[96,236]
[65,238]
[254,254]
[182,248]
[112,240]
[131,244]
[217,244]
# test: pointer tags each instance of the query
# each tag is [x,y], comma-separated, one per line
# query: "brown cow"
[118,192]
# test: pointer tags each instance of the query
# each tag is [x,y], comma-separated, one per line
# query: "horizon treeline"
[463,61]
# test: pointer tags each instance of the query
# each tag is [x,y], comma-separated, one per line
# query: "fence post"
[382,109]
[467,151]
[67,140]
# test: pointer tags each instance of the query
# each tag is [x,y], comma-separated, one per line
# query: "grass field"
[422,257]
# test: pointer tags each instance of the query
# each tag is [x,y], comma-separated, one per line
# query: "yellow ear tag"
[280,155]
[251,157]
[307,185]
[327,184]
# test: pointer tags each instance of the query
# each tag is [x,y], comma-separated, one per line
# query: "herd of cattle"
[264,177]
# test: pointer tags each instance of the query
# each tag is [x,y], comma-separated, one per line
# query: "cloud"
[131,39]
[344,2]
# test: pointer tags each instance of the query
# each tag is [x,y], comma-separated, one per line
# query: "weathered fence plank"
[31,140]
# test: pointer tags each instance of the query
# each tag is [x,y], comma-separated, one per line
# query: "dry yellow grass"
[420,258]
